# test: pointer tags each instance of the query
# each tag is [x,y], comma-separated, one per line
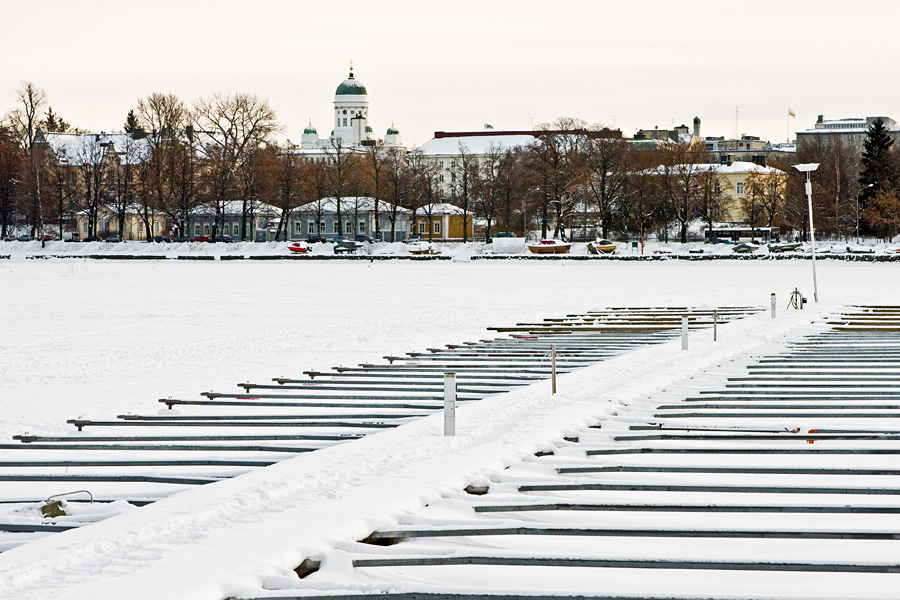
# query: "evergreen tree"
[53,122]
[878,169]
[131,122]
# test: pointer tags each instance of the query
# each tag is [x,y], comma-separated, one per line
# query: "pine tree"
[878,169]
[53,122]
[131,122]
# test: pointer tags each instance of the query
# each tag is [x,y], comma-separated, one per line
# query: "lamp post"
[857,209]
[808,168]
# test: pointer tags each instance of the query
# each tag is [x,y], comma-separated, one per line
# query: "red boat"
[299,247]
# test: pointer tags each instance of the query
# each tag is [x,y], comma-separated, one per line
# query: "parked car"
[201,238]
[412,240]
[225,239]
[113,239]
[48,237]
[24,238]
[364,238]
[181,239]
[161,238]
[90,238]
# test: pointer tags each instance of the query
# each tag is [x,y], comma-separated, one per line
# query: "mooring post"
[715,323]
[449,403]
[773,305]
[553,367]
[684,332]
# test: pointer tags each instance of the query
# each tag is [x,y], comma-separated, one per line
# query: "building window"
[297,227]
[348,227]
[362,226]
[345,122]
[441,178]
[436,227]
[206,229]
[227,229]
[717,187]
[310,227]
[197,229]
[440,164]
[423,227]
[740,187]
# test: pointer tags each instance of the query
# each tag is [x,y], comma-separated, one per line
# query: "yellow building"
[134,224]
[442,222]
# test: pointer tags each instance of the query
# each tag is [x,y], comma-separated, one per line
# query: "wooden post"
[449,404]
[553,367]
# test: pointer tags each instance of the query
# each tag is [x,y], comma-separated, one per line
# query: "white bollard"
[684,333]
[449,403]
[773,306]
[715,324]
[553,367]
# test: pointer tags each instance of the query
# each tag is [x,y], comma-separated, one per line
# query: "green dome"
[369,129]
[392,131]
[351,87]
[309,130]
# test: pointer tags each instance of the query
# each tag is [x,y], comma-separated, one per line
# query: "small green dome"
[351,87]
[369,129]
[392,131]
[309,130]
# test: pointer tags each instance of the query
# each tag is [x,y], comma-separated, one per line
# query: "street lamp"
[808,168]
[857,209]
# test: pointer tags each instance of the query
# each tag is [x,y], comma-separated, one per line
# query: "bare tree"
[91,162]
[399,183]
[25,119]
[12,164]
[556,168]
[234,127]
[605,175]
[377,157]
[464,172]
[340,159]
[711,199]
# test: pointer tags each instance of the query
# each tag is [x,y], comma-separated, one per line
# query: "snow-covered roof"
[440,208]
[81,148]
[348,203]
[480,144]
[235,207]
[735,168]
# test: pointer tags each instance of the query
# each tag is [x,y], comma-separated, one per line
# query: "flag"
[792,113]
[488,126]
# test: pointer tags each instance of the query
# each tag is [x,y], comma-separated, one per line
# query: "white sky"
[456,65]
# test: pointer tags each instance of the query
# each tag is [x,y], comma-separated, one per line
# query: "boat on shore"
[784,246]
[299,248]
[549,247]
[601,246]
[745,248]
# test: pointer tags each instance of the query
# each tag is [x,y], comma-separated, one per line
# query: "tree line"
[223,151]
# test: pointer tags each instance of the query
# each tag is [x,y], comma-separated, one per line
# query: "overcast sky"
[458,64]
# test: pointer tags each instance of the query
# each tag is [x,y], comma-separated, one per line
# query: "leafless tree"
[377,157]
[465,173]
[233,126]
[399,183]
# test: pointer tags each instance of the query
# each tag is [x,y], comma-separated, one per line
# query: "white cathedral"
[351,121]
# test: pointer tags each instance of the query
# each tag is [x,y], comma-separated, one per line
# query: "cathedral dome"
[309,130]
[351,87]
[392,131]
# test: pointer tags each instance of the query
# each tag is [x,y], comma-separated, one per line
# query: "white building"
[851,131]
[351,127]
[444,149]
